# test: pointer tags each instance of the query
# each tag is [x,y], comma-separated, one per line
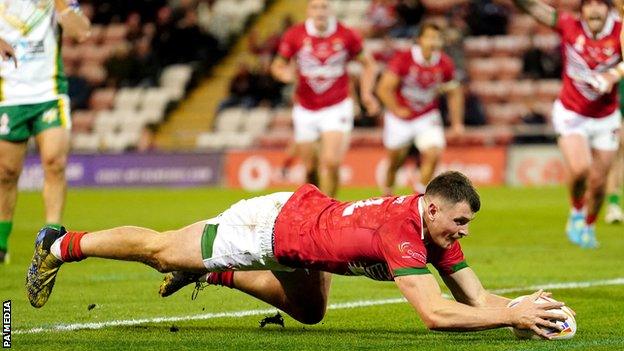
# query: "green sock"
[5,231]
[614,199]
[53,225]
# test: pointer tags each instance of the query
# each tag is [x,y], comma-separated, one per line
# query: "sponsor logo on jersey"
[407,251]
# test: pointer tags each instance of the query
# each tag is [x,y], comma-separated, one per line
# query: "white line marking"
[333,306]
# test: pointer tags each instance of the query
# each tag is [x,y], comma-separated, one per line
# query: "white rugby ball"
[568,326]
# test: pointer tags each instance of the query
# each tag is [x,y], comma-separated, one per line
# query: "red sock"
[591,219]
[70,247]
[578,203]
[221,278]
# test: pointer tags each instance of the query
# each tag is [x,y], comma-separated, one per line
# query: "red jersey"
[583,57]
[380,237]
[321,62]
[420,80]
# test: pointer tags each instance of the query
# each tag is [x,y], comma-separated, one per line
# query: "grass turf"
[517,240]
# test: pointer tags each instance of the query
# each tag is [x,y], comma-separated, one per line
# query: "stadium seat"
[479,46]
[510,45]
[106,122]
[278,139]
[210,141]
[85,142]
[230,120]
[522,90]
[82,121]
[239,140]
[128,98]
[257,121]
[521,24]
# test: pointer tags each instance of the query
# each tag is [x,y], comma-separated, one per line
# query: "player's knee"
[579,172]
[9,174]
[311,315]
[330,164]
[54,165]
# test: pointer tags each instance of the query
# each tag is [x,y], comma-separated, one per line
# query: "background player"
[320,49]
[409,89]
[282,247]
[34,102]
[586,115]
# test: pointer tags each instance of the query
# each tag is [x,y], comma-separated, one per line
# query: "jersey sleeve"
[355,45]
[404,252]
[564,20]
[450,260]
[287,46]
[448,70]
[397,64]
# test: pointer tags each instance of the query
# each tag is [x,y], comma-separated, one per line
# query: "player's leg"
[334,145]
[308,153]
[173,250]
[431,142]
[306,134]
[11,163]
[300,293]
[14,133]
[398,134]
[577,158]
[615,181]
[52,130]
[336,124]
[396,158]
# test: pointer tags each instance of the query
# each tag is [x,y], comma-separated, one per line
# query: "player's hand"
[7,52]
[456,131]
[402,112]
[603,82]
[371,104]
[528,314]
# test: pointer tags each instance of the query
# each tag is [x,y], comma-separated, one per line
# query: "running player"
[586,115]
[409,89]
[281,249]
[34,102]
[320,49]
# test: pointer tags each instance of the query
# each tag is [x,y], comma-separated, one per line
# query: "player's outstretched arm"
[455,97]
[539,10]
[467,288]
[367,84]
[386,92]
[282,70]
[423,293]
[74,22]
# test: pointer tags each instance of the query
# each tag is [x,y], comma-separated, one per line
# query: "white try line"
[333,306]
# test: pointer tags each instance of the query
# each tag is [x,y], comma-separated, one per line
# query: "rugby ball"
[569,325]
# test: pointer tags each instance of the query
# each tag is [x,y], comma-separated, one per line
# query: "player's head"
[594,13]
[320,12]
[451,201]
[429,37]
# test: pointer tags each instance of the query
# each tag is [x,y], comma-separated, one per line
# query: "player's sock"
[614,199]
[578,204]
[67,248]
[220,278]
[5,231]
[591,219]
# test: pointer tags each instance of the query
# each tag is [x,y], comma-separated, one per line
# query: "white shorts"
[241,238]
[425,131]
[309,124]
[602,133]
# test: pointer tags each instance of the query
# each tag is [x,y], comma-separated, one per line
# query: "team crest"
[579,44]
[50,115]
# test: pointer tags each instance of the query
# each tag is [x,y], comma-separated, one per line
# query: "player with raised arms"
[282,248]
[586,114]
[314,55]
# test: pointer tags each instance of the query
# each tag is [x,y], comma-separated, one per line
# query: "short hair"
[428,25]
[454,187]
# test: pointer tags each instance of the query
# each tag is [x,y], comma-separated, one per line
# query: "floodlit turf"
[517,240]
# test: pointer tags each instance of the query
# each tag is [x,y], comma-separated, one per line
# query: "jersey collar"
[421,212]
[606,29]
[417,56]
[332,26]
